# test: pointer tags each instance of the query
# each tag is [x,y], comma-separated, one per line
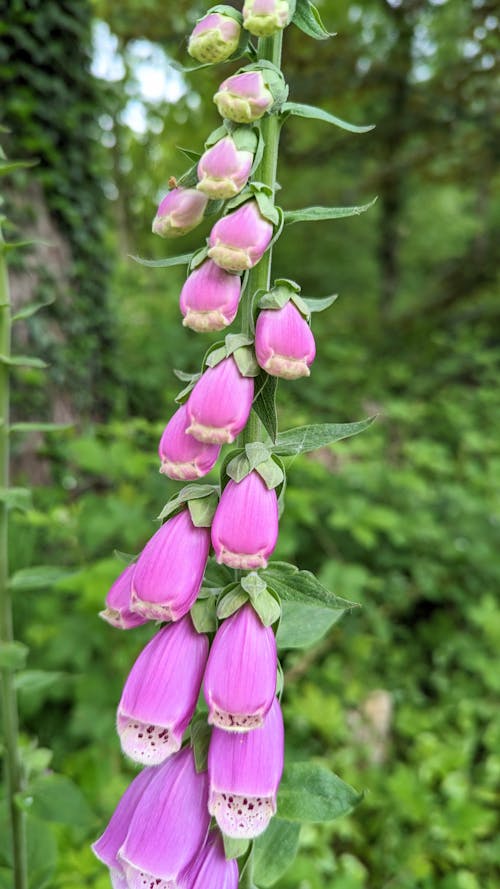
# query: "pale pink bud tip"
[240,678]
[264,17]
[210,297]
[223,170]
[179,212]
[239,240]
[245,525]
[219,405]
[117,611]
[214,39]
[284,343]
[169,826]
[182,456]
[245,771]
[160,694]
[244,97]
[170,569]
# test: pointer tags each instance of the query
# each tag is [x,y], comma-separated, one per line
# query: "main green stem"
[269,48]
[12,762]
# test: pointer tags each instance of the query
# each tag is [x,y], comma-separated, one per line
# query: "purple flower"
[240,678]
[284,344]
[264,17]
[239,240]
[211,870]
[214,38]
[244,97]
[117,611]
[245,772]
[209,299]
[179,212]
[182,456]
[245,525]
[160,694]
[170,569]
[169,826]
[223,170]
[107,846]
[220,403]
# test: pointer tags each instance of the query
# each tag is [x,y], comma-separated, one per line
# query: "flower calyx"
[201,501]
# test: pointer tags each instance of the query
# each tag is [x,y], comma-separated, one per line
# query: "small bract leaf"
[200,741]
[234,848]
[246,361]
[30,309]
[265,403]
[310,792]
[317,214]
[203,615]
[230,603]
[308,19]
[202,510]
[22,361]
[253,584]
[40,427]
[314,304]
[40,577]
[309,111]
[274,851]
[271,473]
[302,586]
[13,655]
[184,259]
[267,608]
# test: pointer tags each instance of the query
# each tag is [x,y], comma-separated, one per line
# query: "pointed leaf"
[55,798]
[310,792]
[310,438]
[40,427]
[312,113]
[184,259]
[22,361]
[200,740]
[202,510]
[308,19]
[265,403]
[319,304]
[203,615]
[17,498]
[303,625]
[302,586]
[317,214]
[30,309]
[230,603]
[40,577]
[274,851]
[9,166]
[234,848]
[267,608]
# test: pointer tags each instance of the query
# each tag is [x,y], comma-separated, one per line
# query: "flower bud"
[161,691]
[182,456]
[239,240]
[107,846]
[219,405]
[245,771]
[214,39]
[211,869]
[170,569]
[169,826]
[240,678]
[244,97]
[223,170]
[284,344]
[179,212]
[117,611]
[264,17]
[245,525]
[209,299]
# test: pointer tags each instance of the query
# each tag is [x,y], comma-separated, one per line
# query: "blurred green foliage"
[400,698]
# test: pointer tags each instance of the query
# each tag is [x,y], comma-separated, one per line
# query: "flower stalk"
[12,761]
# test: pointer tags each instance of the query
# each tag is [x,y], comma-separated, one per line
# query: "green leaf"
[42,854]
[189,492]
[22,361]
[230,603]
[316,214]
[203,615]
[293,585]
[267,608]
[40,577]
[271,473]
[35,682]
[13,655]
[184,259]
[193,156]
[312,113]
[200,741]
[274,851]
[253,584]
[319,304]
[246,361]
[308,19]
[265,403]
[40,427]
[303,625]
[202,510]
[310,438]
[310,792]
[56,798]
[234,848]
[17,498]
[10,166]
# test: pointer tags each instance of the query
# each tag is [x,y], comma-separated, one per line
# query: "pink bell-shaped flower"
[223,170]
[169,826]
[245,525]
[245,771]
[239,240]
[182,456]
[264,17]
[214,38]
[117,611]
[107,846]
[211,870]
[284,344]
[209,298]
[161,691]
[220,403]
[244,97]
[179,212]
[240,678]
[169,571]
